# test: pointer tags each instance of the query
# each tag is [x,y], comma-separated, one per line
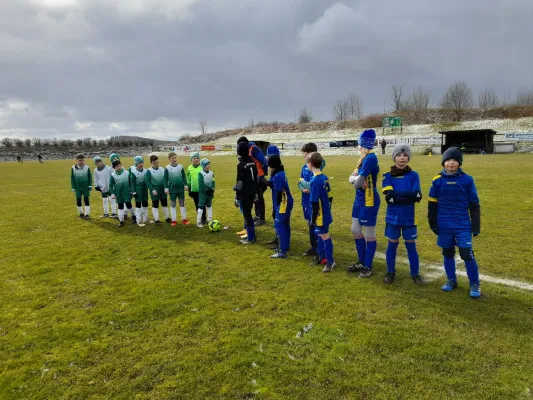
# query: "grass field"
[91,311]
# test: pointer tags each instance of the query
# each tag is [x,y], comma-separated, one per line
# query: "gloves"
[389,198]
[154,192]
[134,195]
[167,191]
[209,192]
[234,188]
[236,202]
[98,189]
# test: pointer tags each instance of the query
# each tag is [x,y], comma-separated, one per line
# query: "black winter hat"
[242,149]
[274,161]
[243,139]
[453,153]
[115,163]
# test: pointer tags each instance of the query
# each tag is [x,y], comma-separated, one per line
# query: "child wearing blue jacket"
[454,216]
[366,204]
[401,187]
[271,151]
[283,203]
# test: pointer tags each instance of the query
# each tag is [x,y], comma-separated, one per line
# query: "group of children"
[453,203]
[119,186]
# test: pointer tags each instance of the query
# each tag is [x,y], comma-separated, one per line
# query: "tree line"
[86,143]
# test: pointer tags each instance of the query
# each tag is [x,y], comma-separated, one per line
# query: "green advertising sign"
[392,122]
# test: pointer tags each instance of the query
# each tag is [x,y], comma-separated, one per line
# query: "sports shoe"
[449,285]
[173,223]
[310,252]
[121,224]
[133,219]
[475,290]
[200,225]
[104,216]
[356,267]
[259,222]
[114,216]
[245,236]
[278,255]
[246,241]
[141,224]
[318,261]
[365,273]
[87,217]
[185,222]
[389,278]
[328,267]
[256,218]
[418,280]
[82,216]
[240,233]
[168,220]
[274,241]
[157,222]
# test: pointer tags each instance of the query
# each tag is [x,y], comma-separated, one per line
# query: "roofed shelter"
[469,141]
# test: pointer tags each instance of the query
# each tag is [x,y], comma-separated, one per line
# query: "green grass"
[88,311]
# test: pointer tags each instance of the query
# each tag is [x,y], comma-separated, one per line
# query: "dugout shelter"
[474,141]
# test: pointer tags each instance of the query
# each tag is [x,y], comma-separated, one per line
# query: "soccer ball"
[214,225]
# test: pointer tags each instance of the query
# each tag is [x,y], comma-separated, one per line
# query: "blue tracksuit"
[283,203]
[305,183]
[366,204]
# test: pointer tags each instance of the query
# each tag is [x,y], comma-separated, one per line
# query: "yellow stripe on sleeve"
[433,199]
[386,188]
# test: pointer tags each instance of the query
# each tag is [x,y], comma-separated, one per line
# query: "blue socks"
[321,250]
[391,256]
[449,267]
[472,271]
[328,248]
[360,246]
[412,254]
[370,252]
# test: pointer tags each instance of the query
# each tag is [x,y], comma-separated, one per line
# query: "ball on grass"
[214,225]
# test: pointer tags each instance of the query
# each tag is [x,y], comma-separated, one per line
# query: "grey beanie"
[401,148]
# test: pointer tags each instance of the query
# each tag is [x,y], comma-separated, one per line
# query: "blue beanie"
[273,150]
[367,139]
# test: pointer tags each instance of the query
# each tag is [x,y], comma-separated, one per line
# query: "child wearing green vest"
[192,181]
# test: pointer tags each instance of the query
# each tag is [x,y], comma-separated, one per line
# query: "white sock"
[155,213]
[121,215]
[144,213]
[80,210]
[165,212]
[138,214]
[173,213]
[106,206]
[209,214]
[199,216]
[114,206]
[87,210]
[183,213]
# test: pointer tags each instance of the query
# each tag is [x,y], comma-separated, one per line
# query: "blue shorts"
[308,212]
[367,216]
[322,230]
[447,240]
[394,231]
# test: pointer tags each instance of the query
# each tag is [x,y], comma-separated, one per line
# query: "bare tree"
[251,123]
[340,110]
[355,107]
[488,99]
[524,97]
[417,101]
[7,142]
[458,98]
[397,96]
[203,127]
[305,116]
[27,142]
[37,142]
[19,143]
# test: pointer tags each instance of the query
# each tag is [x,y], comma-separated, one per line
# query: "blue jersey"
[368,168]
[320,193]
[281,185]
[402,187]
[453,194]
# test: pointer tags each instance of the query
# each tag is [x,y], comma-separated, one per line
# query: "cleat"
[114,216]
[389,278]
[328,267]
[310,252]
[259,222]
[244,236]
[449,285]
[157,223]
[141,224]
[240,233]
[185,222]
[173,223]
[200,225]
[317,261]
[418,280]
[365,273]
[133,219]
[104,216]
[87,217]
[246,241]
[256,218]
[82,216]
[475,291]
[121,224]
[168,220]
[279,255]
[356,267]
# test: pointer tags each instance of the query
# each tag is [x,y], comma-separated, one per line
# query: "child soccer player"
[366,205]
[155,180]
[206,183]
[119,187]
[246,189]
[192,182]
[102,173]
[80,181]
[401,187]
[139,190]
[175,185]
[321,218]
[271,151]
[454,216]
[113,157]
[283,203]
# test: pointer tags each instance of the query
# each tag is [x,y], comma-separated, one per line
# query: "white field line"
[483,278]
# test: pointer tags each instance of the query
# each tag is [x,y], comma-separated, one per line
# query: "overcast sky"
[79,68]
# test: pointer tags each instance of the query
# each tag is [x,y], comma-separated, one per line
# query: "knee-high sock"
[138,214]
[472,271]
[250,229]
[106,205]
[199,215]
[360,246]
[321,250]
[313,237]
[114,206]
[87,210]
[144,213]
[80,209]
[391,256]
[412,254]
[370,252]
[209,213]
[281,233]
[155,213]
[328,249]
[130,211]
[449,267]
[165,211]
[183,213]
[173,213]
[121,215]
